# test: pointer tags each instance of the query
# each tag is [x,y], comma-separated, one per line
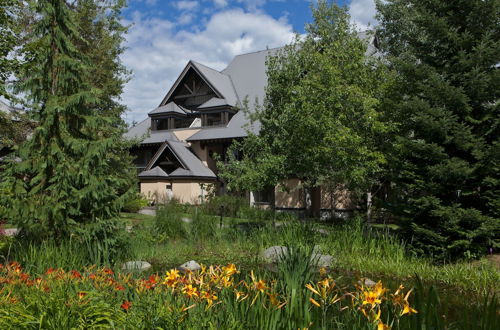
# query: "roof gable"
[210,82]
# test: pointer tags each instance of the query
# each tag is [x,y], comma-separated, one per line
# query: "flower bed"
[216,296]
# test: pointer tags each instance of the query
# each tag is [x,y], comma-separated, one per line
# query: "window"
[265,196]
[160,124]
[214,119]
[182,123]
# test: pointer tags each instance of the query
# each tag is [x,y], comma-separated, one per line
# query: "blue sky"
[166,34]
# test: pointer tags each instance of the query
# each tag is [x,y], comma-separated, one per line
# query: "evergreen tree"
[446,160]
[99,24]
[319,121]
[8,38]
[69,180]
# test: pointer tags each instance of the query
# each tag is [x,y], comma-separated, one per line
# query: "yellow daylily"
[314,302]
[408,310]
[382,326]
[190,291]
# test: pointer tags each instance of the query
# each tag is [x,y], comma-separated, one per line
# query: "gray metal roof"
[194,166]
[170,107]
[248,74]
[159,137]
[220,81]
[140,130]
[155,172]
[214,102]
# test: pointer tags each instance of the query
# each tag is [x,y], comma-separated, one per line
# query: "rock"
[322,231]
[128,228]
[367,282]
[187,220]
[323,260]
[136,265]
[148,210]
[316,250]
[190,266]
[274,253]
[11,231]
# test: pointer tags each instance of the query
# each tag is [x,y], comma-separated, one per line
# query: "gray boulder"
[322,232]
[148,210]
[136,265]
[323,260]
[367,282]
[274,253]
[190,266]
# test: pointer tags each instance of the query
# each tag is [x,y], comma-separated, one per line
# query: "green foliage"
[72,177]
[444,164]
[168,221]
[229,205]
[37,258]
[8,41]
[320,119]
[203,227]
[100,26]
[134,203]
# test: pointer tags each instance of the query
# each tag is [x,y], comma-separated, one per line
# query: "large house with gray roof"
[199,117]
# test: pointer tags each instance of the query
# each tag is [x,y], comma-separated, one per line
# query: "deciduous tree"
[320,120]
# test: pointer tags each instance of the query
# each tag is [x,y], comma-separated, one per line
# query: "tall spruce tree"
[69,180]
[320,119]
[446,161]
[8,38]
[99,24]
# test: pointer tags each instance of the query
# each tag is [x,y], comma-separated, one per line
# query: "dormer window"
[217,118]
[200,93]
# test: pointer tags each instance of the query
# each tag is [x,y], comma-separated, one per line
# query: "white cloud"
[185,18]
[252,4]
[220,3]
[362,13]
[185,5]
[157,52]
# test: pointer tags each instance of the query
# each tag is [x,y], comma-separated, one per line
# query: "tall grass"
[36,258]
[357,247]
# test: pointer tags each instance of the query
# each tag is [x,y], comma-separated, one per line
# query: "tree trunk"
[368,206]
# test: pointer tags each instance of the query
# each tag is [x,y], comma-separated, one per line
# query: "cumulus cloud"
[220,3]
[185,5]
[362,13]
[157,51]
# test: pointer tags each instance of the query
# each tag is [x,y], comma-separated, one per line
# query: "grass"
[166,242]
[357,252]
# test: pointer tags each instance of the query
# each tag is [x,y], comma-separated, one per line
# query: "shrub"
[203,226]
[134,204]
[232,205]
[168,221]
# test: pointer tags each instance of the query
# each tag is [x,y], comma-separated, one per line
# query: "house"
[196,122]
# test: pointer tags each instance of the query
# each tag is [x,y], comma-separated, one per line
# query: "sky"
[165,34]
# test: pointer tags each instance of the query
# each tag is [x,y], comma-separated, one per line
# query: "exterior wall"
[185,133]
[154,190]
[213,149]
[184,191]
[342,199]
[202,153]
[293,199]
